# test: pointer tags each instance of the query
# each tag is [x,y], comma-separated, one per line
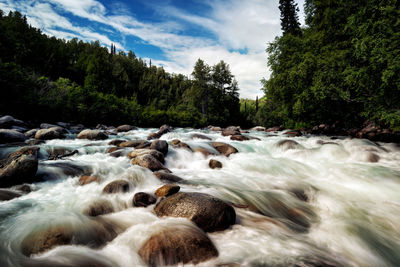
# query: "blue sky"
[172,33]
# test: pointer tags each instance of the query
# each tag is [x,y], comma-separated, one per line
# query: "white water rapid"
[323,202]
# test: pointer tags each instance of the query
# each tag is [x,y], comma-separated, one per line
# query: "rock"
[113,149]
[117,186]
[31,133]
[207,212]
[64,124]
[99,207]
[70,168]
[47,126]
[167,177]
[18,168]
[178,144]
[148,161]
[293,133]
[288,144]
[258,128]
[167,190]
[163,130]
[215,128]
[92,135]
[26,188]
[119,152]
[135,144]
[300,194]
[372,157]
[239,137]
[50,133]
[60,153]
[34,142]
[204,151]
[200,136]
[177,244]
[125,128]
[86,179]
[160,145]
[215,164]
[274,129]
[141,152]
[77,128]
[142,199]
[101,127]
[28,150]
[93,235]
[224,148]
[116,142]
[231,130]
[6,194]
[19,129]
[8,121]
[11,136]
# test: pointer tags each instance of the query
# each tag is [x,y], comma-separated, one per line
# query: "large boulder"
[224,148]
[50,133]
[167,177]
[177,244]
[148,161]
[20,167]
[163,130]
[11,136]
[125,128]
[231,130]
[160,145]
[143,199]
[207,212]
[141,152]
[135,143]
[117,186]
[92,135]
[6,194]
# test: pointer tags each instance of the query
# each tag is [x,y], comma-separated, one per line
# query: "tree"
[289,18]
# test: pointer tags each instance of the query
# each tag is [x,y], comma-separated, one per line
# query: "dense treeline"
[343,66]
[47,78]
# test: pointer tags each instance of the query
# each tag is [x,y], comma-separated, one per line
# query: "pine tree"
[289,18]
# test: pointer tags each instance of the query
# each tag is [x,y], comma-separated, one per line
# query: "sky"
[172,33]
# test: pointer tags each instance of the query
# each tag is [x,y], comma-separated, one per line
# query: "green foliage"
[345,66]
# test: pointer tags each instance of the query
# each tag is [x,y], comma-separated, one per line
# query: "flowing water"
[319,203]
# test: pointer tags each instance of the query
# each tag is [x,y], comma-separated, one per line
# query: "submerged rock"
[6,194]
[200,136]
[214,164]
[288,144]
[167,177]
[117,186]
[11,136]
[204,151]
[178,244]
[142,199]
[92,135]
[167,190]
[207,212]
[99,207]
[86,179]
[224,148]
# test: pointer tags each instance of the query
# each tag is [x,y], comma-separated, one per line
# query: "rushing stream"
[322,202]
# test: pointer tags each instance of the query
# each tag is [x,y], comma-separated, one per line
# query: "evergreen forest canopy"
[342,67]
[50,79]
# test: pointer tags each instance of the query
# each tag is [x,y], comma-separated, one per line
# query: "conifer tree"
[289,18]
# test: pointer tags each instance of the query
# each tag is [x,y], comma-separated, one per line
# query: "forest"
[45,78]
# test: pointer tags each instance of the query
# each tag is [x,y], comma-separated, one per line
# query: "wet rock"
[141,152]
[160,145]
[258,128]
[11,136]
[321,142]
[167,177]
[28,150]
[231,130]
[93,235]
[239,137]
[142,199]
[87,179]
[274,129]
[98,208]
[125,128]
[148,161]
[116,142]
[178,144]
[8,121]
[293,133]
[20,167]
[77,128]
[200,136]
[68,168]
[60,153]
[215,128]
[47,126]
[6,194]
[63,124]
[117,186]
[175,245]
[204,151]
[101,127]
[34,142]
[26,188]
[224,148]
[300,194]
[50,133]
[135,144]
[92,135]
[113,149]
[288,144]
[215,164]
[372,157]
[119,152]
[19,129]
[207,212]
[31,133]
[163,130]
[167,190]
